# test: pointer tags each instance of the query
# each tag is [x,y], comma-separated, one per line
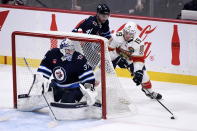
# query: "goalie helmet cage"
[102,61]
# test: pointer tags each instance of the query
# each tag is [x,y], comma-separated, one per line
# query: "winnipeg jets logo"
[60,74]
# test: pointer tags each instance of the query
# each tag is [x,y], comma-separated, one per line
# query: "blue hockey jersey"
[67,74]
[91,26]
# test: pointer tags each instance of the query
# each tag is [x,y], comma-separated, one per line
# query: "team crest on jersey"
[131,49]
[94,23]
[60,74]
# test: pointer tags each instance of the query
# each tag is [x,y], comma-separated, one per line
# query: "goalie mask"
[67,49]
[129,31]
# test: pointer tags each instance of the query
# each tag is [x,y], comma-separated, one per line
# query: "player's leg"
[71,95]
[57,91]
[147,87]
[65,95]
[146,83]
[120,61]
[34,100]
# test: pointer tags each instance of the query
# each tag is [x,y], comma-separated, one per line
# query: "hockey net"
[29,48]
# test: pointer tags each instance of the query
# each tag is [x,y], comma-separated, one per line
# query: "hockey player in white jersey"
[127,51]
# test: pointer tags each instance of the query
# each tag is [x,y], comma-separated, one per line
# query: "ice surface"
[147,114]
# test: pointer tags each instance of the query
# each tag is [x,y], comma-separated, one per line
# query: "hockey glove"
[89,86]
[138,76]
[121,62]
[131,68]
[41,83]
[89,92]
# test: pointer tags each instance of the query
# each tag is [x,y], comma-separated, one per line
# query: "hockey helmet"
[103,9]
[130,27]
[67,48]
[130,30]
[67,44]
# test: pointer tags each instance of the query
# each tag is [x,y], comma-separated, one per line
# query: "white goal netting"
[30,49]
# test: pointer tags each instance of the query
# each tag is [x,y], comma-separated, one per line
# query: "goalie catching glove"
[89,92]
[138,76]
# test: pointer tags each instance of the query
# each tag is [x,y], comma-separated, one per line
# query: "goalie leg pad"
[34,102]
[75,111]
[89,94]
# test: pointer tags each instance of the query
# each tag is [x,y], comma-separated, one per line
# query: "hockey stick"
[27,95]
[34,78]
[48,103]
[172,117]
[74,105]
[27,65]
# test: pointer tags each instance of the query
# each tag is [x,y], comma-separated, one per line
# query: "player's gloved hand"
[138,75]
[121,62]
[89,86]
[89,92]
[41,83]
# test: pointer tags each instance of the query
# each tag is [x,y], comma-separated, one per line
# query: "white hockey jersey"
[132,51]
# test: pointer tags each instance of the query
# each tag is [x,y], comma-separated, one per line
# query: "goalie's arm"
[44,71]
[45,67]
[85,73]
[87,81]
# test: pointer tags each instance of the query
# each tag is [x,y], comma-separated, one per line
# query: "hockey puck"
[172,117]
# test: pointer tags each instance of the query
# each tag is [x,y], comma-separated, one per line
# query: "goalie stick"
[48,103]
[27,95]
[74,105]
[34,78]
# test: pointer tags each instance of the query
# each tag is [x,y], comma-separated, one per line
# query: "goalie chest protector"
[65,71]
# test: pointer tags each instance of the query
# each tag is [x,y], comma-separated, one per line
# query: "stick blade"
[23,96]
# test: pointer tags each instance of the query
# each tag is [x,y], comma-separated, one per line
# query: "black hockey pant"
[66,95]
